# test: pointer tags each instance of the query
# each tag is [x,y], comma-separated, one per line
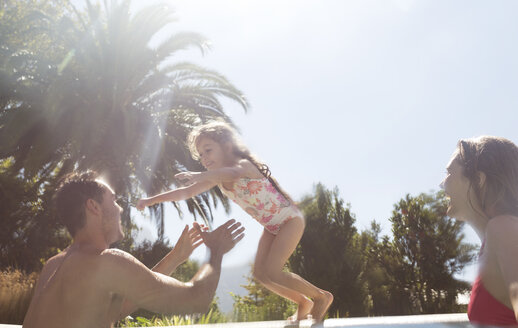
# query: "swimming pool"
[455,320]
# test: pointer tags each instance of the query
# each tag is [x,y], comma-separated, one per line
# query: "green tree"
[329,253]
[25,25]
[26,225]
[260,304]
[430,249]
[382,268]
[27,48]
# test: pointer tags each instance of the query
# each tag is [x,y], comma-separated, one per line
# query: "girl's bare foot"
[321,305]
[304,308]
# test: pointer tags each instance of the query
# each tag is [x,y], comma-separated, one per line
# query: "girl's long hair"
[222,133]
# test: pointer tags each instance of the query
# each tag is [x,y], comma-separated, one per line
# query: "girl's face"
[456,186]
[213,155]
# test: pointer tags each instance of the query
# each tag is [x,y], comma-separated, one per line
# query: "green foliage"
[213,316]
[260,304]
[329,255]
[386,297]
[414,272]
[430,248]
[29,233]
[410,273]
[25,25]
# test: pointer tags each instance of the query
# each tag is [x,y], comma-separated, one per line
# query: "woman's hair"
[223,133]
[70,199]
[497,158]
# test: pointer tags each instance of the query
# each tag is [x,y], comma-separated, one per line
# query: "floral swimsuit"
[260,199]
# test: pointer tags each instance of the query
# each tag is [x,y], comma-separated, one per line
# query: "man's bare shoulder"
[51,265]
[56,259]
[112,255]
[126,276]
[116,261]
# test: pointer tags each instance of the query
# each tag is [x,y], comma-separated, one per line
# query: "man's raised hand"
[224,238]
[189,241]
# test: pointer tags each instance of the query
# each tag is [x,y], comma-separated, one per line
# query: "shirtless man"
[91,285]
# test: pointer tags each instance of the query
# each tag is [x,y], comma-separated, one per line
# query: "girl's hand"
[141,204]
[189,178]
[188,242]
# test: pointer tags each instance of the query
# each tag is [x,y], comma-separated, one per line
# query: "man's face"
[111,216]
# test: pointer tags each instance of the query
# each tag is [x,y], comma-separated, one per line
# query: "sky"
[369,96]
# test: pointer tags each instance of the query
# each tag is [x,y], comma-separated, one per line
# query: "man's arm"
[126,276]
[189,240]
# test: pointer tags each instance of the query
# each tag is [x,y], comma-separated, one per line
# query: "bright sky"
[370,96]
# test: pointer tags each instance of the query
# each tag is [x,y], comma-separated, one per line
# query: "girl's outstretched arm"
[225,174]
[176,195]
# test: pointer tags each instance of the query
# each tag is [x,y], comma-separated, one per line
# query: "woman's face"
[456,186]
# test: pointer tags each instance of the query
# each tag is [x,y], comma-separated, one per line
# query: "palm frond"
[181,41]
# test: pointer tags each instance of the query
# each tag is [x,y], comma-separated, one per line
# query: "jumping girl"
[246,181]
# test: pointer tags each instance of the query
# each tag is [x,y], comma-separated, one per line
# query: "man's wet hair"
[70,199]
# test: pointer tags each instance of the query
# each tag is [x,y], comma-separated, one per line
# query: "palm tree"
[119,106]
[29,232]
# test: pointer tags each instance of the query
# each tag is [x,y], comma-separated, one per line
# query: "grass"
[16,289]
[176,320]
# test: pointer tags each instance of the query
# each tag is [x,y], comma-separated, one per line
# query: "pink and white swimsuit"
[260,199]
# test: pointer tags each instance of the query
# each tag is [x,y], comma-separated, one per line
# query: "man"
[91,285]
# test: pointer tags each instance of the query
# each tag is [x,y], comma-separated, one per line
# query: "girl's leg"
[281,248]
[260,273]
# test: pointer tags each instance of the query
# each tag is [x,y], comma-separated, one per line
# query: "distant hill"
[231,280]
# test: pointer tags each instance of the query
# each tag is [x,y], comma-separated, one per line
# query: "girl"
[232,168]
[482,183]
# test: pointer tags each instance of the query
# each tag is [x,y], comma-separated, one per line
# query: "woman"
[482,184]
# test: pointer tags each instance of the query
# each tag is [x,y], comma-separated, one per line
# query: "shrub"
[16,290]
